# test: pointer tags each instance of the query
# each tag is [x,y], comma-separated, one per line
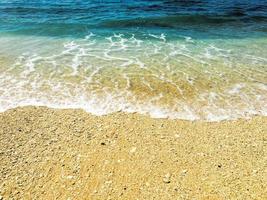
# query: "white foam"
[162,36]
[73,75]
[236,88]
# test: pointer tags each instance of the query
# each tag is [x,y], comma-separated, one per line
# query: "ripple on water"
[184,78]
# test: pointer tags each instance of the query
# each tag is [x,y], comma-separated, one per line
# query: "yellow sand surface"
[69,154]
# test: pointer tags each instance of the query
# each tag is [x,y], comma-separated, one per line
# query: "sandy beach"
[70,154]
[133,100]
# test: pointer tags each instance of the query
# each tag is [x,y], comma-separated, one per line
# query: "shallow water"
[196,60]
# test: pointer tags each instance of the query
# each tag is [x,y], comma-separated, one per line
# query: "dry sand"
[70,154]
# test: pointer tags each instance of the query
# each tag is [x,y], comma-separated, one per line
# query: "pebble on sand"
[167,178]
[133,150]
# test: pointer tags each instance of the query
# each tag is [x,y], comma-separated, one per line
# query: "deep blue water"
[207,18]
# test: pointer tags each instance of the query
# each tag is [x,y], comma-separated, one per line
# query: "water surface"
[196,60]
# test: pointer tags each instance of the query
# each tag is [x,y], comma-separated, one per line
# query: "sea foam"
[177,78]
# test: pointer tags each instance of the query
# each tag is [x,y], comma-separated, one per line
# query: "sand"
[70,154]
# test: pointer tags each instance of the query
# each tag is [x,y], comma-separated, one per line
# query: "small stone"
[167,178]
[184,172]
[133,150]
[108,182]
[103,143]
[106,162]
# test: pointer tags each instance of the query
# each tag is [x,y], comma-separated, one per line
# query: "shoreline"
[248,115]
[69,153]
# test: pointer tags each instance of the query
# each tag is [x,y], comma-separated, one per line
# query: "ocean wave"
[177,21]
[75,18]
[185,78]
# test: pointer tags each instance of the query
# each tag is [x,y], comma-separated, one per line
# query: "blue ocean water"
[188,59]
[213,18]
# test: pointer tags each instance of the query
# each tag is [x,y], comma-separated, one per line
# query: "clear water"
[195,60]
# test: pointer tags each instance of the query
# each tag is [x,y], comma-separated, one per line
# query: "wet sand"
[70,154]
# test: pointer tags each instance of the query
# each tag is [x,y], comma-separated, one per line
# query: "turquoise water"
[195,60]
